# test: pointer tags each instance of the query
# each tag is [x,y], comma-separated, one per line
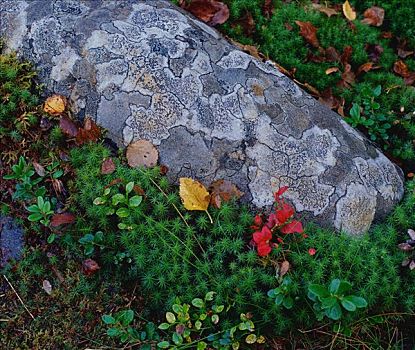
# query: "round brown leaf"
[89,267]
[142,153]
[68,127]
[374,16]
[107,166]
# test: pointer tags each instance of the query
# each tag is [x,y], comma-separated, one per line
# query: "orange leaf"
[89,133]
[374,16]
[348,12]
[366,67]
[212,12]
[308,32]
[401,69]
[193,194]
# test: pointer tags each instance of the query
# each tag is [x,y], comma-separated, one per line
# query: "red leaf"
[107,166]
[212,12]
[308,32]
[62,219]
[68,127]
[280,192]
[89,133]
[89,267]
[293,227]
[284,214]
[374,16]
[312,251]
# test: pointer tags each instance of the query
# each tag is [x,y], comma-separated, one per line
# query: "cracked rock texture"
[146,70]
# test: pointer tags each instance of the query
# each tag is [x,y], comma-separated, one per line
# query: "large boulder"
[147,70]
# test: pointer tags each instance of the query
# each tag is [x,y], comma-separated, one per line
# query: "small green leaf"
[129,187]
[198,324]
[218,308]
[343,287]
[177,308]
[170,317]
[328,302]
[135,201]
[209,296]
[250,339]
[164,326]
[126,317]
[123,212]
[215,319]
[348,305]
[235,345]
[358,301]
[35,217]
[334,286]
[113,332]
[163,345]
[177,338]
[197,302]
[201,345]
[117,198]
[88,238]
[288,303]
[108,319]
[33,208]
[279,299]
[99,201]
[318,290]
[271,293]
[40,202]
[51,238]
[202,317]
[335,312]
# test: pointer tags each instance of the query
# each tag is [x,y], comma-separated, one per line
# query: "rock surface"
[11,240]
[146,70]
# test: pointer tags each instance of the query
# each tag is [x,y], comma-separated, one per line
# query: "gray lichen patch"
[147,70]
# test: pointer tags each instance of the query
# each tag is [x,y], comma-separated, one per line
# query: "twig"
[18,296]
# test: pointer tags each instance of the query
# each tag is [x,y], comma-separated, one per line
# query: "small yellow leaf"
[348,11]
[55,105]
[193,194]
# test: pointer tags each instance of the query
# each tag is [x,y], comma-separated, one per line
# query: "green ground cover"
[143,276]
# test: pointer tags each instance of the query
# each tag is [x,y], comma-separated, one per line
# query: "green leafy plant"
[118,203]
[121,327]
[282,295]
[197,325]
[92,240]
[26,187]
[41,211]
[332,300]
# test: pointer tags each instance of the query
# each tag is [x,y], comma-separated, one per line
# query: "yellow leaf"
[348,12]
[193,194]
[55,105]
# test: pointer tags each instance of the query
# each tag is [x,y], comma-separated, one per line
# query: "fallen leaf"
[409,80]
[284,267]
[406,247]
[138,190]
[411,234]
[387,35]
[68,127]
[348,12]
[89,267]
[374,52]
[288,26]
[164,169]
[40,170]
[89,133]
[47,287]
[404,53]
[247,23]
[327,98]
[401,69]
[348,77]
[107,166]
[412,265]
[193,194]
[365,67]
[142,153]
[212,12]
[62,219]
[374,16]
[268,8]
[114,182]
[346,55]
[332,55]
[55,105]
[223,190]
[332,70]
[329,11]
[308,32]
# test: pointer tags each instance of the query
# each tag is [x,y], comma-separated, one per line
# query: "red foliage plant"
[279,221]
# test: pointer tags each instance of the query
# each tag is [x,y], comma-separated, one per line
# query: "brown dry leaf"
[40,170]
[68,127]
[223,190]
[114,182]
[409,80]
[139,191]
[404,53]
[247,23]
[332,55]
[268,8]
[327,98]
[401,69]
[332,70]
[89,133]
[374,52]
[55,105]
[212,12]
[89,267]
[412,265]
[164,169]
[308,32]
[346,55]
[374,16]
[366,67]
[348,76]
[284,267]
[47,287]
[142,153]
[348,12]
[329,11]
[62,219]
[107,166]
[193,194]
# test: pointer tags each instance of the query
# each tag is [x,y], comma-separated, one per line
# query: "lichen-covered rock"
[147,70]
